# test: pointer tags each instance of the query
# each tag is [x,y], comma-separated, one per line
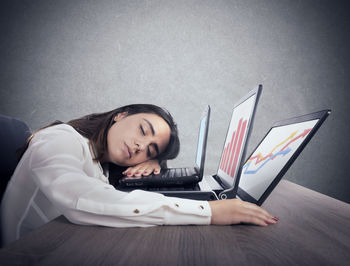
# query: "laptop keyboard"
[175,172]
[187,188]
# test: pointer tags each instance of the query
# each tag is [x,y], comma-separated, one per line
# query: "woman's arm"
[58,168]
[224,211]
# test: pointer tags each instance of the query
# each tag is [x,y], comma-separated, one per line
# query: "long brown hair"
[95,128]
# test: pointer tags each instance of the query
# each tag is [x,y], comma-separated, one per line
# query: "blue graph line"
[251,172]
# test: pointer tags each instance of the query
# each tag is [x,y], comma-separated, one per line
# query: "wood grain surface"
[313,230]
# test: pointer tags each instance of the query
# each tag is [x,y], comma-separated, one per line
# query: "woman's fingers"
[156,170]
[258,217]
[149,171]
[235,211]
[135,171]
[145,169]
[141,170]
[257,214]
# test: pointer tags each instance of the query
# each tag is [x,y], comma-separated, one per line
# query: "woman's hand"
[234,211]
[143,169]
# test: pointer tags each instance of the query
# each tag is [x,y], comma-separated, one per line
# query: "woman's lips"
[127,150]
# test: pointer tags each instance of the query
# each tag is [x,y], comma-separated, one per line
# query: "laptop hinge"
[229,193]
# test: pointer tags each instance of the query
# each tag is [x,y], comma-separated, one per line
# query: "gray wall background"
[64,59]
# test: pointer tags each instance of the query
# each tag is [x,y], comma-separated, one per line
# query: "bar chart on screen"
[232,150]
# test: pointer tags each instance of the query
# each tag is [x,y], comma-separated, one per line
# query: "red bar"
[223,157]
[229,147]
[223,154]
[233,151]
[238,150]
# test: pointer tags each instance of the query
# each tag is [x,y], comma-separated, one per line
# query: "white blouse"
[57,176]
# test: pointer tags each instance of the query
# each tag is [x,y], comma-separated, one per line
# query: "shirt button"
[201,206]
[177,205]
[136,211]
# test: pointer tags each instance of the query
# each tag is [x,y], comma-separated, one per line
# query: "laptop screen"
[202,140]
[271,155]
[231,156]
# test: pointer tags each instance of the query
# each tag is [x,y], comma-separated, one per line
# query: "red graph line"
[306,131]
[259,158]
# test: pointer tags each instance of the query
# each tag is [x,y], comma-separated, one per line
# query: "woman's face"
[133,139]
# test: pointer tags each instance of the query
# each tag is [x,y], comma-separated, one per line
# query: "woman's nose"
[140,145]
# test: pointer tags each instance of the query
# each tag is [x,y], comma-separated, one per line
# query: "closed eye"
[154,145]
[142,131]
[154,149]
[144,134]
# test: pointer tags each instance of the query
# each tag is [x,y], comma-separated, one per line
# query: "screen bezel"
[321,117]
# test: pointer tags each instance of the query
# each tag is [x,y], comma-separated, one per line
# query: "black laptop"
[275,154]
[177,176]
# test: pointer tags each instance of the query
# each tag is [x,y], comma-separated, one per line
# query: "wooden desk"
[313,230]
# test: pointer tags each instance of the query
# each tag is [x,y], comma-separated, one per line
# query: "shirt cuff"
[184,211]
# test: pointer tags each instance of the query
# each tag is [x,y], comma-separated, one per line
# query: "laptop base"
[166,178]
[193,192]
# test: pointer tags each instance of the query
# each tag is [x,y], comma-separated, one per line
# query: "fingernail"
[267,223]
[129,174]
[275,218]
[137,172]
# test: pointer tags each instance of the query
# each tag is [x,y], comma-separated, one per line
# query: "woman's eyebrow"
[150,125]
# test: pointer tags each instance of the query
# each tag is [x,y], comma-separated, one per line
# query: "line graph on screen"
[261,161]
